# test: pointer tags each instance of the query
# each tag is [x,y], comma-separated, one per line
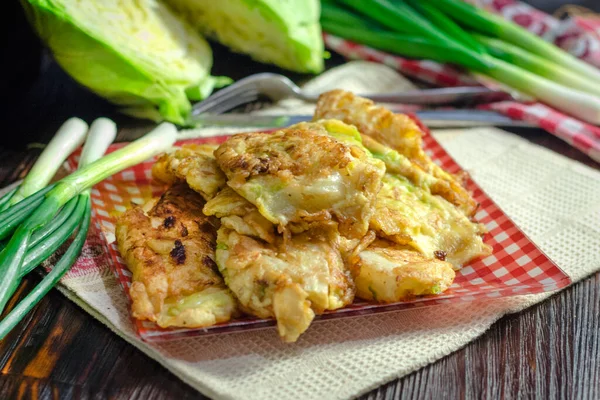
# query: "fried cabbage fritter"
[448,189]
[194,164]
[308,217]
[289,280]
[237,213]
[391,273]
[409,215]
[169,246]
[396,132]
[407,212]
[304,175]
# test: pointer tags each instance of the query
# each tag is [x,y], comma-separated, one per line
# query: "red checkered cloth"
[515,267]
[579,35]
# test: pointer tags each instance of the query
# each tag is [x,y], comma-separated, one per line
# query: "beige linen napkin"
[553,199]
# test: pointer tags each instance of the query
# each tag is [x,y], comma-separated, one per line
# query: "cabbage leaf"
[138,55]
[285,33]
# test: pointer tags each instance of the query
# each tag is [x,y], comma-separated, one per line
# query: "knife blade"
[432,118]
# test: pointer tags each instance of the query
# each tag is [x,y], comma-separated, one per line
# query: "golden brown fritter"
[397,164]
[290,278]
[391,273]
[399,133]
[409,215]
[194,164]
[290,281]
[237,213]
[308,216]
[300,175]
[169,246]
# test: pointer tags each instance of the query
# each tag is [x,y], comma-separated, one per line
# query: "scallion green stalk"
[12,217]
[5,199]
[396,16]
[61,267]
[48,239]
[68,137]
[337,14]
[492,25]
[11,259]
[406,45]
[446,25]
[580,104]
[530,62]
[49,230]
[40,251]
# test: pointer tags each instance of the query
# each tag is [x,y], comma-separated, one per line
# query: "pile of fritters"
[289,224]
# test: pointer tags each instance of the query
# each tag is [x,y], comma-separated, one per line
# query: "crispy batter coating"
[239,214]
[290,281]
[304,174]
[409,215]
[399,132]
[308,217]
[194,164]
[391,273]
[169,246]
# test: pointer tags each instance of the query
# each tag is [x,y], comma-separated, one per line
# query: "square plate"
[516,266]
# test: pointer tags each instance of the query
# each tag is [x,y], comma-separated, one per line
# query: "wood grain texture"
[550,351]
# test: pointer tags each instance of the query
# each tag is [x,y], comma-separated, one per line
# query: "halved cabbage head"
[284,33]
[138,55]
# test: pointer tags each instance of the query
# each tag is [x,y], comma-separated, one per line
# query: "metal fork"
[277,87]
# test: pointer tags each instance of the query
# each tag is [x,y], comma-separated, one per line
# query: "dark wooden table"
[551,350]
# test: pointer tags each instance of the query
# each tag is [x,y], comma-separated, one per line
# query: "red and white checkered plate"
[516,266]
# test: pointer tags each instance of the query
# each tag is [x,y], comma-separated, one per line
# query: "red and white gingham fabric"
[579,35]
[516,266]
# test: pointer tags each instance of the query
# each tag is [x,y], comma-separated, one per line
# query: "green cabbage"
[136,54]
[285,33]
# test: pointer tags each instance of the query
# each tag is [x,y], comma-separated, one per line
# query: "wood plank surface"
[549,351]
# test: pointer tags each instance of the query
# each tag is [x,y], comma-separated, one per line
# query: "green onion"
[68,137]
[337,14]
[407,45]
[446,25]
[492,25]
[580,104]
[531,62]
[6,198]
[51,236]
[17,313]
[12,257]
[158,140]
[12,217]
[396,16]
[44,248]
[102,133]
[55,224]
[437,37]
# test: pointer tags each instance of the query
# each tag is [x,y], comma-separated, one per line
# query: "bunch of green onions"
[452,31]
[37,219]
